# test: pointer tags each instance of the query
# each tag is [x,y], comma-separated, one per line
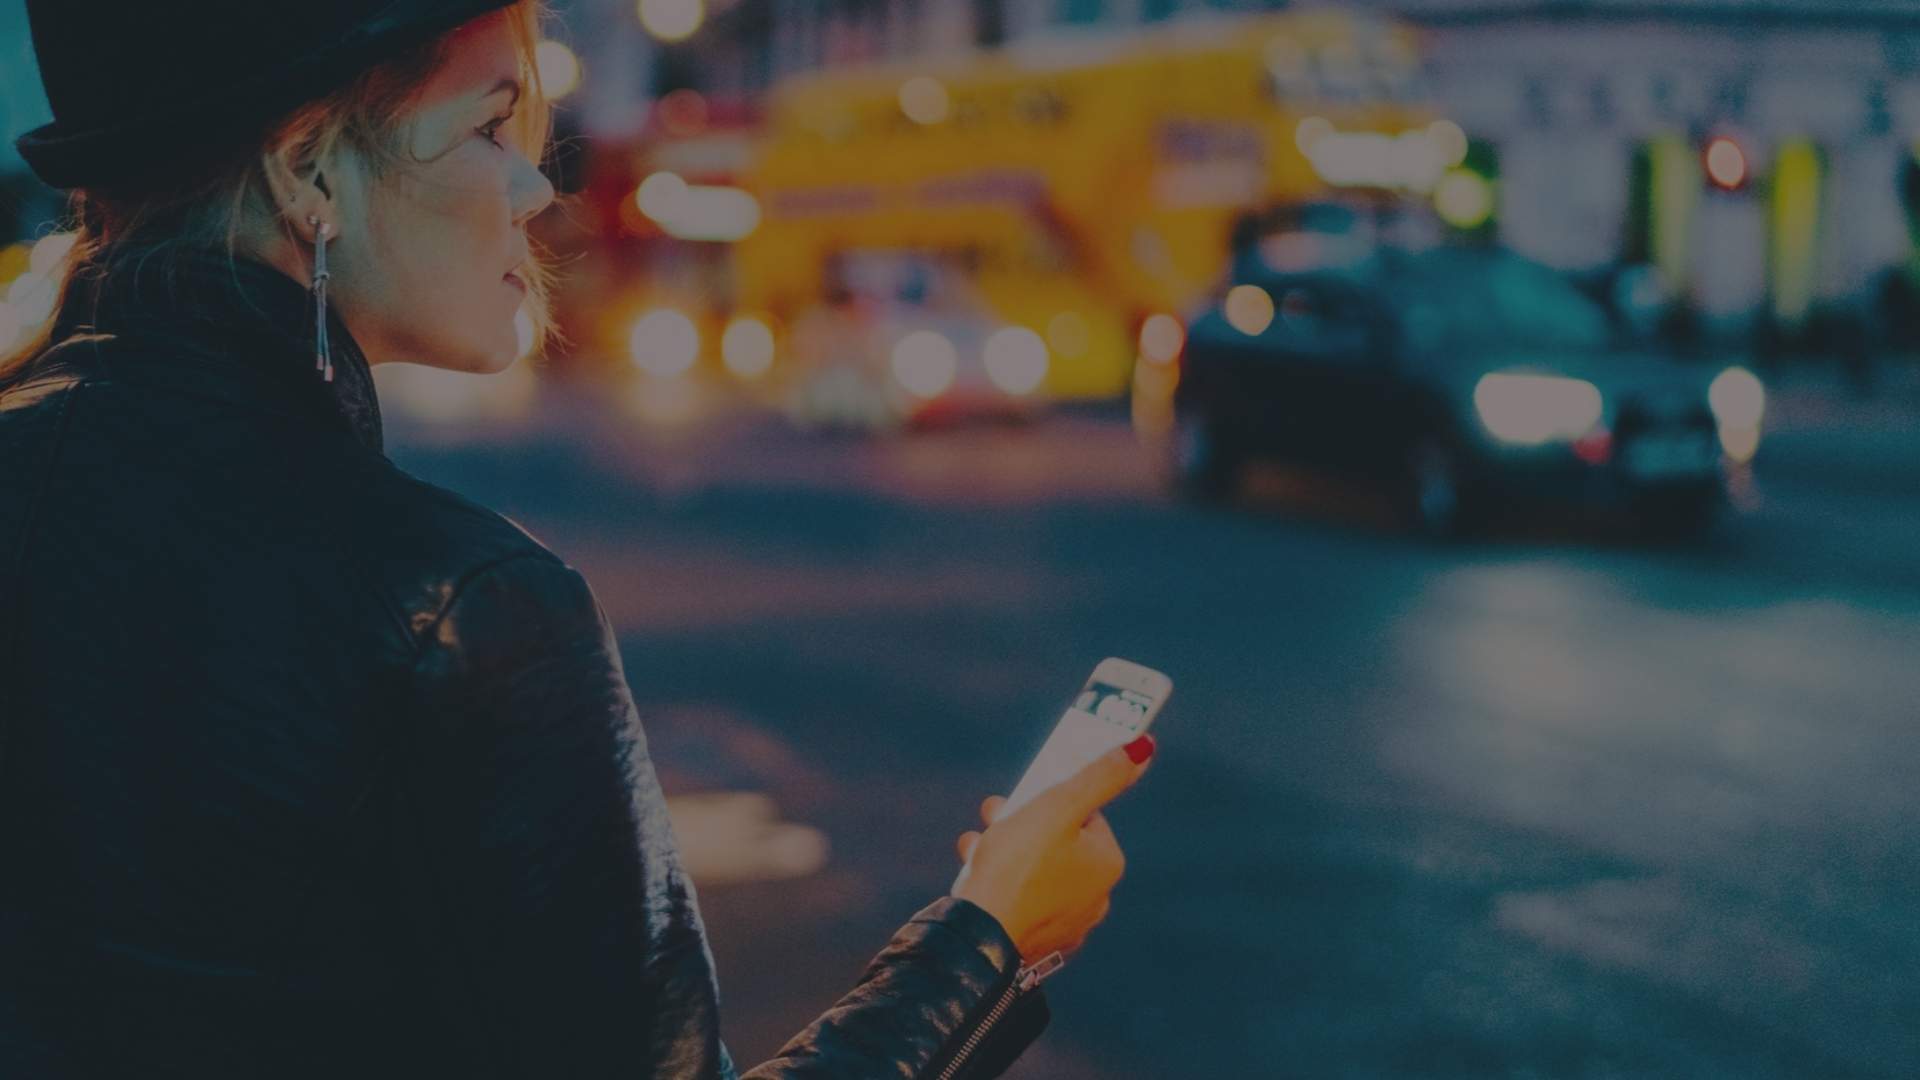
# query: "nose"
[529,192]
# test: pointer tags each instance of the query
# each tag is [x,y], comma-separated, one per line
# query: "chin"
[477,357]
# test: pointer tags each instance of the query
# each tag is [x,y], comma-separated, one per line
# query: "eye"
[492,131]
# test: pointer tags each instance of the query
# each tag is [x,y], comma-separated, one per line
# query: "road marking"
[729,838]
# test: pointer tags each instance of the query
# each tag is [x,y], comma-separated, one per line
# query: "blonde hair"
[118,231]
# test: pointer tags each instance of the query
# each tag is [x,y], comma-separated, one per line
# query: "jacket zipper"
[1023,980]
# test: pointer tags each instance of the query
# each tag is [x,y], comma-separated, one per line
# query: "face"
[423,258]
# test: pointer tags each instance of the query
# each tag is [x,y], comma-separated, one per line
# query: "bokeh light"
[660,195]
[559,69]
[1529,410]
[747,347]
[1449,142]
[924,100]
[672,20]
[1463,199]
[1737,397]
[1249,309]
[1016,360]
[1161,338]
[925,363]
[664,342]
[1726,163]
[49,252]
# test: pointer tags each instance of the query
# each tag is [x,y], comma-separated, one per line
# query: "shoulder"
[432,549]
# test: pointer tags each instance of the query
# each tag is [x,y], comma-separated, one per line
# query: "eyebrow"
[506,84]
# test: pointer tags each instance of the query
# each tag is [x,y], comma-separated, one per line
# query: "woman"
[310,768]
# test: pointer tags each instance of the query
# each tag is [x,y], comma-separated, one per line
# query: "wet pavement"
[1545,805]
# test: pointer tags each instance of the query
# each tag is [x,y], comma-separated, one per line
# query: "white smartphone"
[1116,706]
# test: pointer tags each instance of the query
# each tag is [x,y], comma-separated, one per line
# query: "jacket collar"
[238,322]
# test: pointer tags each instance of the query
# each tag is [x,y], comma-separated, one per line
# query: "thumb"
[1082,795]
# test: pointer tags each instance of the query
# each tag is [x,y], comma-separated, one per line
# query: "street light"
[1726,164]
[672,20]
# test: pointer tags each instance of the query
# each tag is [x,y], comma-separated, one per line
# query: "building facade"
[1597,116]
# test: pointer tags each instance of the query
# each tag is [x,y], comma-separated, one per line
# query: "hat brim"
[124,153]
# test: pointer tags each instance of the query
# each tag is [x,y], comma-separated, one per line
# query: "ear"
[300,189]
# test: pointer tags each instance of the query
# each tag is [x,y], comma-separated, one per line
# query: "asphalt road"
[1549,805]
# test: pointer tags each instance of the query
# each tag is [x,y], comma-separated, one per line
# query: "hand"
[1047,869]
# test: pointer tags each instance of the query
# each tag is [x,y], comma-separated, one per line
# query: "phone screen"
[1101,718]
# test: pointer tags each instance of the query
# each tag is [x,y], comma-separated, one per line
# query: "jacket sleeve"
[940,996]
[571,938]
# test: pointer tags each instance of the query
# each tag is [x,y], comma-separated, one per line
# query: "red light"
[1595,447]
[682,113]
[1726,163]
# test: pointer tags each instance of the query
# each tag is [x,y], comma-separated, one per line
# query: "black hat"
[136,85]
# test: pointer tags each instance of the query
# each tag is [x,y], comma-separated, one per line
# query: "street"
[1547,804]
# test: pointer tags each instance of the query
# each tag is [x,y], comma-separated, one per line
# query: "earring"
[323,356]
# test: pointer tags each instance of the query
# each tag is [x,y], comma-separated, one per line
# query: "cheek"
[443,243]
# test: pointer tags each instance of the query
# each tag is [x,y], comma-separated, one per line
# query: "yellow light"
[665,343]
[1161,338]
[523,331]
[559,69]
[672,20]
[49,251]
[1069,334]
[1737,398]
[1449,141]
[746,347]
[15,259]
[1016,360]
[1463,199]
[925,100]
[1726,163]
[1249,309]
[925,363]
[660,195]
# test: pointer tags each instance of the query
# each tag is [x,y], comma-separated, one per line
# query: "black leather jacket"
[311,768]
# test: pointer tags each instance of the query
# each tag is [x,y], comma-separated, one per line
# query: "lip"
[514,280]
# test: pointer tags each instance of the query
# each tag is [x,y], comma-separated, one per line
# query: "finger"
[1078,797]
[1085,923]
[966,844]
[990,810]
[1099,831]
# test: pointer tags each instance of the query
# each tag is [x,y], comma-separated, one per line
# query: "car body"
[1462,380]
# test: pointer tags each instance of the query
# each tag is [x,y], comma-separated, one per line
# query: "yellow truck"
[1077,189]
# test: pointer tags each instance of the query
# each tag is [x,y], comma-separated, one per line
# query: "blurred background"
[1497,416]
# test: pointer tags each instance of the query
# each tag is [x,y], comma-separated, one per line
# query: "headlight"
[1534,409]
[1016,360]
[664,342]
[747,347]
[925,363]
[1737,398]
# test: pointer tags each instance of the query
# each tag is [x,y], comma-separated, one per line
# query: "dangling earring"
[323,357]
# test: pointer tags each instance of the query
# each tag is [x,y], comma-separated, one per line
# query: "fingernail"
[1140,749]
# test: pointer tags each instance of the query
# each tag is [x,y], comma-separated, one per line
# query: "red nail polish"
[1140,749]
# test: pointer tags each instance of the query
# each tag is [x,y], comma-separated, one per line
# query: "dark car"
[1461,380]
